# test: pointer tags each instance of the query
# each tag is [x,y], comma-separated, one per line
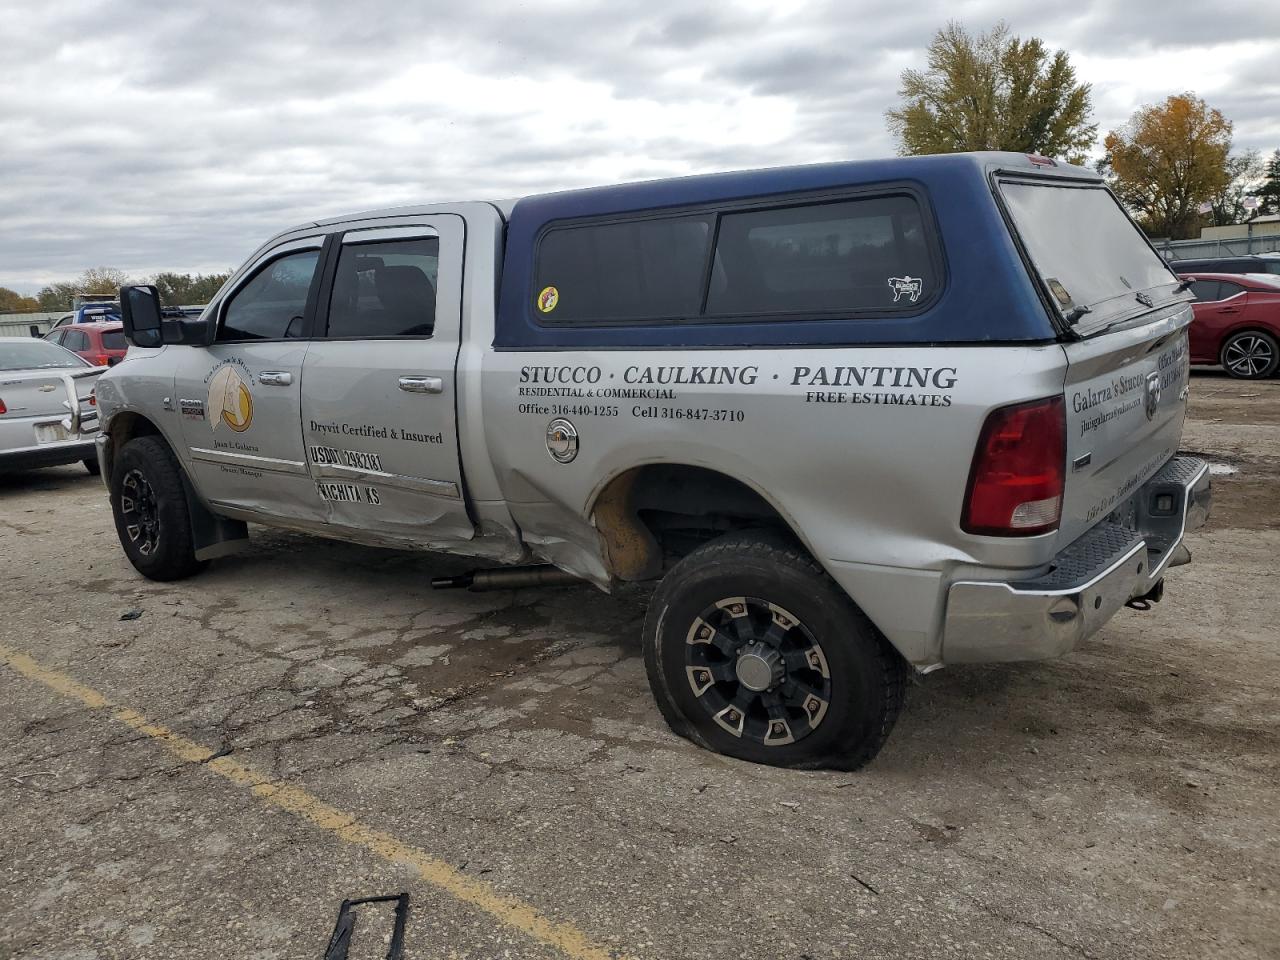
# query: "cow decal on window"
[908,286]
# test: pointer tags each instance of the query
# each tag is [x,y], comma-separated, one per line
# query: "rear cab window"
[1092,260]
[870,256]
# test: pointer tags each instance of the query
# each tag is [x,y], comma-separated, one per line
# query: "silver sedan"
[48,414]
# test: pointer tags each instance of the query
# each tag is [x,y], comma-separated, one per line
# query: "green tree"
[184,288]
[1269,193]
[101,280]
[56,296]
[59,296]
[13,302]
[1244,171]
[993,92]
[1167,160]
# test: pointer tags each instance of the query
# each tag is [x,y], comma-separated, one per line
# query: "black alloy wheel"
[757,671]
[754,651]
[1250,355]
[149,503]
[140,511]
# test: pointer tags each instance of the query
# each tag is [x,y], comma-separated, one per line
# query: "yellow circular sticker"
[548,299]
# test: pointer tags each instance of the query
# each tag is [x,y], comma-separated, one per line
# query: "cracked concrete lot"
[499,757]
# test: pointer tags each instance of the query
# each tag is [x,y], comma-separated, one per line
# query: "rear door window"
[1206,291]
[385,289]
[75,340]
[1089,254]
[1227,290]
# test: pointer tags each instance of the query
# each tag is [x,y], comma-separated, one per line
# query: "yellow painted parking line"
[564,937]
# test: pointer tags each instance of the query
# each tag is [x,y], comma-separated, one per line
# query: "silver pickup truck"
[854,419]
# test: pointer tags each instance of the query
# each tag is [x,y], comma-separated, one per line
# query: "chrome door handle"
[422,384]
[275,378]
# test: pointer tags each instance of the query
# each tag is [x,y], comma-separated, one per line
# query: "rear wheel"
[150,508]
[91,464]
[754,652]
[1250,355]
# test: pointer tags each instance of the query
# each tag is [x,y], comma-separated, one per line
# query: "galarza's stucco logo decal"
[230,401]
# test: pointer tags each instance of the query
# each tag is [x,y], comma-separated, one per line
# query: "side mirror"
[140,310]
[146,325]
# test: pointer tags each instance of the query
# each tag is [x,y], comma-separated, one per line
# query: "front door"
[239,399]
[378,385]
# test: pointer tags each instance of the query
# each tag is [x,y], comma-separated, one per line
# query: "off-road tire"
[91,464]
[867,677]
[1250,355]
[149,461]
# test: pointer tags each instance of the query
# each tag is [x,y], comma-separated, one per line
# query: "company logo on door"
[230,401]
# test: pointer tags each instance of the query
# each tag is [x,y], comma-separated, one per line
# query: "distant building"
[1267,225]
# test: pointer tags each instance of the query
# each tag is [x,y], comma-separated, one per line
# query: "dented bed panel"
[864,452]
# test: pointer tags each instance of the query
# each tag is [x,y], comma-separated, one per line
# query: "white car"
[48,414]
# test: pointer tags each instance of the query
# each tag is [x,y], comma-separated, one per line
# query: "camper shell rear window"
[1092,260]
[862,256]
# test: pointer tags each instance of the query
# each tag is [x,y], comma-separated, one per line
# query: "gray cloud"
[152,136]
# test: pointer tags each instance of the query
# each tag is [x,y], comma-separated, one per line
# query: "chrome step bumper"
[990,621]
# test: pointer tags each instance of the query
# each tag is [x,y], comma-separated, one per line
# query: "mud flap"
[213,536]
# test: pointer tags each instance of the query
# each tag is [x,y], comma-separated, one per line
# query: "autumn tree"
[993,92]
[13,302]
[1167,160]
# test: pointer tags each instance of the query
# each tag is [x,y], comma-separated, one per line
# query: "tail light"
[1019,468]
[3,408]
[100,360]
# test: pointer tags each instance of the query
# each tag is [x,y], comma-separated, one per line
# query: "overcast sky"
[162,136]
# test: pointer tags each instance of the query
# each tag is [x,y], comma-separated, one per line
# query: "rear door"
[379,418]
[77,341]
[1125,337]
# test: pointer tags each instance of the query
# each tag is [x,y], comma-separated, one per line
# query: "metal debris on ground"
[133,614]
[344,928]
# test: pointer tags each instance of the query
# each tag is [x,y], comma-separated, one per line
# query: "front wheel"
[1250,355]
[91,464]
[150,508]
[754,652]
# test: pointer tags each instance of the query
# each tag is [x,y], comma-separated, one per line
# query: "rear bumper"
[995,621]
[48,455]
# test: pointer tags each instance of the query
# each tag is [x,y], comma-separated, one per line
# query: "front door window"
[271,305]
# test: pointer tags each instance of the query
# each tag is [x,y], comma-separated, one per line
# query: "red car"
[1237,322]
[102,344]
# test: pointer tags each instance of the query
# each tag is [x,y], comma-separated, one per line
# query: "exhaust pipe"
[507,578]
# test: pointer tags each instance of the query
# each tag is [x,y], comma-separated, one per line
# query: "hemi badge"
[1082,461]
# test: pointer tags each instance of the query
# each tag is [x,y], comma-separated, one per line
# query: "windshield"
[36,355]
[1084,247]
